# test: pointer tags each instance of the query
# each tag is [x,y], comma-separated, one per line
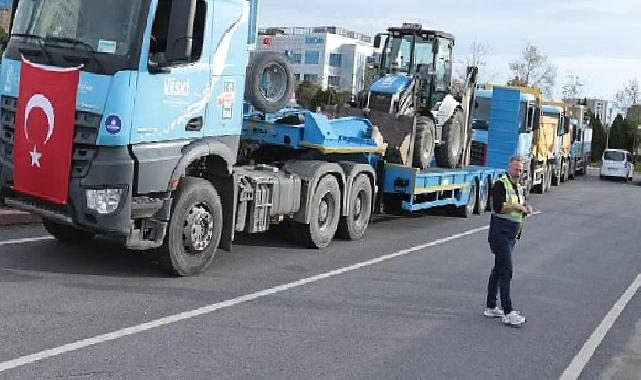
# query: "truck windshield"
[107,27]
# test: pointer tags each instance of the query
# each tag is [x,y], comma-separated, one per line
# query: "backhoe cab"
[411,101]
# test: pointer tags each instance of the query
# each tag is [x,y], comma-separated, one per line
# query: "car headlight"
[103,201]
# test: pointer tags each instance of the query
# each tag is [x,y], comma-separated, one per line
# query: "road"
[404,303]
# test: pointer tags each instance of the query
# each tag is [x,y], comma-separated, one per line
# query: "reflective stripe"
[511,196]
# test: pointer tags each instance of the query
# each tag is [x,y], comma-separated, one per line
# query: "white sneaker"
[514,319]
[497,312]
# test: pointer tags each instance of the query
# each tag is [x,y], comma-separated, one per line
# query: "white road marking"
[30,359]
[25,240]
[585,354]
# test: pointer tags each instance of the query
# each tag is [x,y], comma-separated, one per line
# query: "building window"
[312,57]
[310,78]
[293,57]
[334,81]
[314,40]
[297,77]
[335,60]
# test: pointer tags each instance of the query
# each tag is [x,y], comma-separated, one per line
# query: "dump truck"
[146,121]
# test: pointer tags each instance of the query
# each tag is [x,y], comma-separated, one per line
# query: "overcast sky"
[599,40]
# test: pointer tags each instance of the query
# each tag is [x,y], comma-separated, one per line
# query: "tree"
[306,92]
[622,134]
[325,98]
[573,87]
[628,96]
[534,70]
[598,138]
[477,57]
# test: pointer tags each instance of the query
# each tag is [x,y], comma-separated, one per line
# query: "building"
[599,107]
[329,56]
[634,112]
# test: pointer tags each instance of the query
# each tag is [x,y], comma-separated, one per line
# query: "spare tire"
[423,142]
[270,82]
[452,136]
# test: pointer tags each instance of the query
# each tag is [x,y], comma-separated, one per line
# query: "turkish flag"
[45,122]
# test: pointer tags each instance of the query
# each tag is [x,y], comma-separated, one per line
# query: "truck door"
[174,83]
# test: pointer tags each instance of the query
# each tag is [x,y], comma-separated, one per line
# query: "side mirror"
[377,41]
[180,34]
[156,68]
[436,46]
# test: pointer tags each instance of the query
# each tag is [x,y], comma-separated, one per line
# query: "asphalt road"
[415,314]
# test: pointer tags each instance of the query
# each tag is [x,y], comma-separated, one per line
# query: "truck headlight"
[103,201]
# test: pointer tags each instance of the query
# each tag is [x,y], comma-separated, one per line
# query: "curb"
[13,218]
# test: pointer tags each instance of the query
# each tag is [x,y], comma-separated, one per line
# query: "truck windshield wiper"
[38,38]
[91,52]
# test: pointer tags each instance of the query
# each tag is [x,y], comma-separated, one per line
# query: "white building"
[329,56]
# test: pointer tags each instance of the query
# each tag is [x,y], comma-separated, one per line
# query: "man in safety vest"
[508,211]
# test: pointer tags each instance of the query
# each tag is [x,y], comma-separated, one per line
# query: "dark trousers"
[501,275]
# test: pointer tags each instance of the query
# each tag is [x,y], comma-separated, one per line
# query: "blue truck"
[164,154]
[504,123]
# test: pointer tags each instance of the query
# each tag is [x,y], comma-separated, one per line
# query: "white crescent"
[40,101]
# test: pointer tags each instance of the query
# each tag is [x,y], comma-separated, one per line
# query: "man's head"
[515,168]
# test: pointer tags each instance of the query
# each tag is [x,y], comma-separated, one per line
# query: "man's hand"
[526,210]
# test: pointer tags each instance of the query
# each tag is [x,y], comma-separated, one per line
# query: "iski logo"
[175,87]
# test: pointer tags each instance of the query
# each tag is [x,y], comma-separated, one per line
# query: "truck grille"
[86,130]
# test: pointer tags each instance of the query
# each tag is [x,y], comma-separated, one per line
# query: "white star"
[35,157]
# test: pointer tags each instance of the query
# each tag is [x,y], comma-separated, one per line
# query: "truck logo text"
[174,87]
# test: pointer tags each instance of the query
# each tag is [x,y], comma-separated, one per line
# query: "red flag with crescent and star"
[43,139]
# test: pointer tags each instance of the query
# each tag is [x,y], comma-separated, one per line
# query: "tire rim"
[325,211]
[357,209]
[472,202]
[198,229]
[454,148]
[273,82]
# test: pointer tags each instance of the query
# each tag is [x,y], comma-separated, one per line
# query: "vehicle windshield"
[106,26]
[482,111]
[398,52]
[613,156]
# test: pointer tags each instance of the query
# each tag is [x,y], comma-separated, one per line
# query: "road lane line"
[30,359]
[585,354]
[25,240]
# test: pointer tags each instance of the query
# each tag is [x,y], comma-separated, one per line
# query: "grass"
[637,168]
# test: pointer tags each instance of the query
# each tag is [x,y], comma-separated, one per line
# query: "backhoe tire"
[448,152]
[66,233]
[424,142]
[325,212]
[270,82]
[354,225]
[194,230]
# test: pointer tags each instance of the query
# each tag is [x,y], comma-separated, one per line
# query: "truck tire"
[481,202]
[194,229]
[66,233]
[424,142]
[325,212]
[270,82]
[467,210]
[449,151]
[548,181]
[354,225]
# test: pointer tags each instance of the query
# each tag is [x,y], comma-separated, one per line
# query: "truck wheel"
[324,214]
[194,228]
[354,225]
[66,233]
[467,210]
[424,142]
[270,82]
[481,203]
[548,182]
[449,151]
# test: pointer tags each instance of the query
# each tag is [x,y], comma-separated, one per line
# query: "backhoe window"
[160,29]
[443,67]
[398,54]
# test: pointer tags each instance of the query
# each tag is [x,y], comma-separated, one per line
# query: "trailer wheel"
[66,233]
[354,225]
[449,151]
[324,214]
[424,142]
[270,82]
[194,229]
[481,202]
[467,210]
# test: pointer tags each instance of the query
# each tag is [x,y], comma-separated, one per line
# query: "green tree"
[325,98]
[598,138]
[306,92]
[622,134]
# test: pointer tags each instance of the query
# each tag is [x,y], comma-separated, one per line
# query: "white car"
[617,163]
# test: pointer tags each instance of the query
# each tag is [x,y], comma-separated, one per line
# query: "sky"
[598,40]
